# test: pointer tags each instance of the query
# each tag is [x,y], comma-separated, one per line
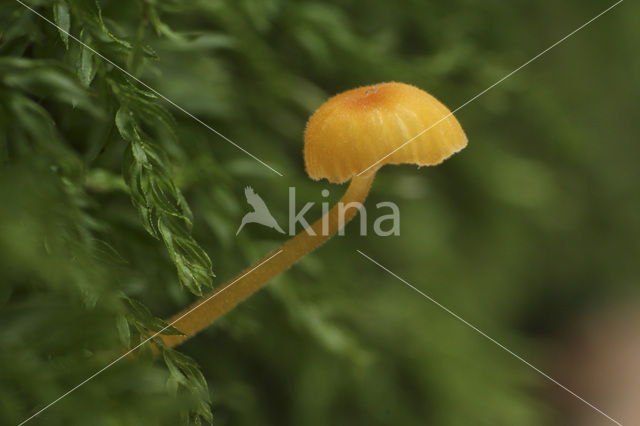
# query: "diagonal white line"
[482,333]
[151,337]
[151,89]
[494,85]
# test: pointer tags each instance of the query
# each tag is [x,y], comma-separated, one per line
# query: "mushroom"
[350,136]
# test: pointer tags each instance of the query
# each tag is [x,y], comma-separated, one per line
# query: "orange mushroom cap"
[359,128]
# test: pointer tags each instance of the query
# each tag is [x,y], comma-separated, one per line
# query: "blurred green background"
[530,228]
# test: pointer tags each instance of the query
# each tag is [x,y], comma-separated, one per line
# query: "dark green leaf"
[87,66]
[122,324]
[126,125]
[143,316]
[45,79]
[63,20]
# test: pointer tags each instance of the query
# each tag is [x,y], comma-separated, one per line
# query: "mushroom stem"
[204,312]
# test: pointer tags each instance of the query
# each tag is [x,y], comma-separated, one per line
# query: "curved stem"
[204,312]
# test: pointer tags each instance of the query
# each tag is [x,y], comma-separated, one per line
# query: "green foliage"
[144,322]
[62,18]
[30,136]
[110,201]
[163,209]
[185,376]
